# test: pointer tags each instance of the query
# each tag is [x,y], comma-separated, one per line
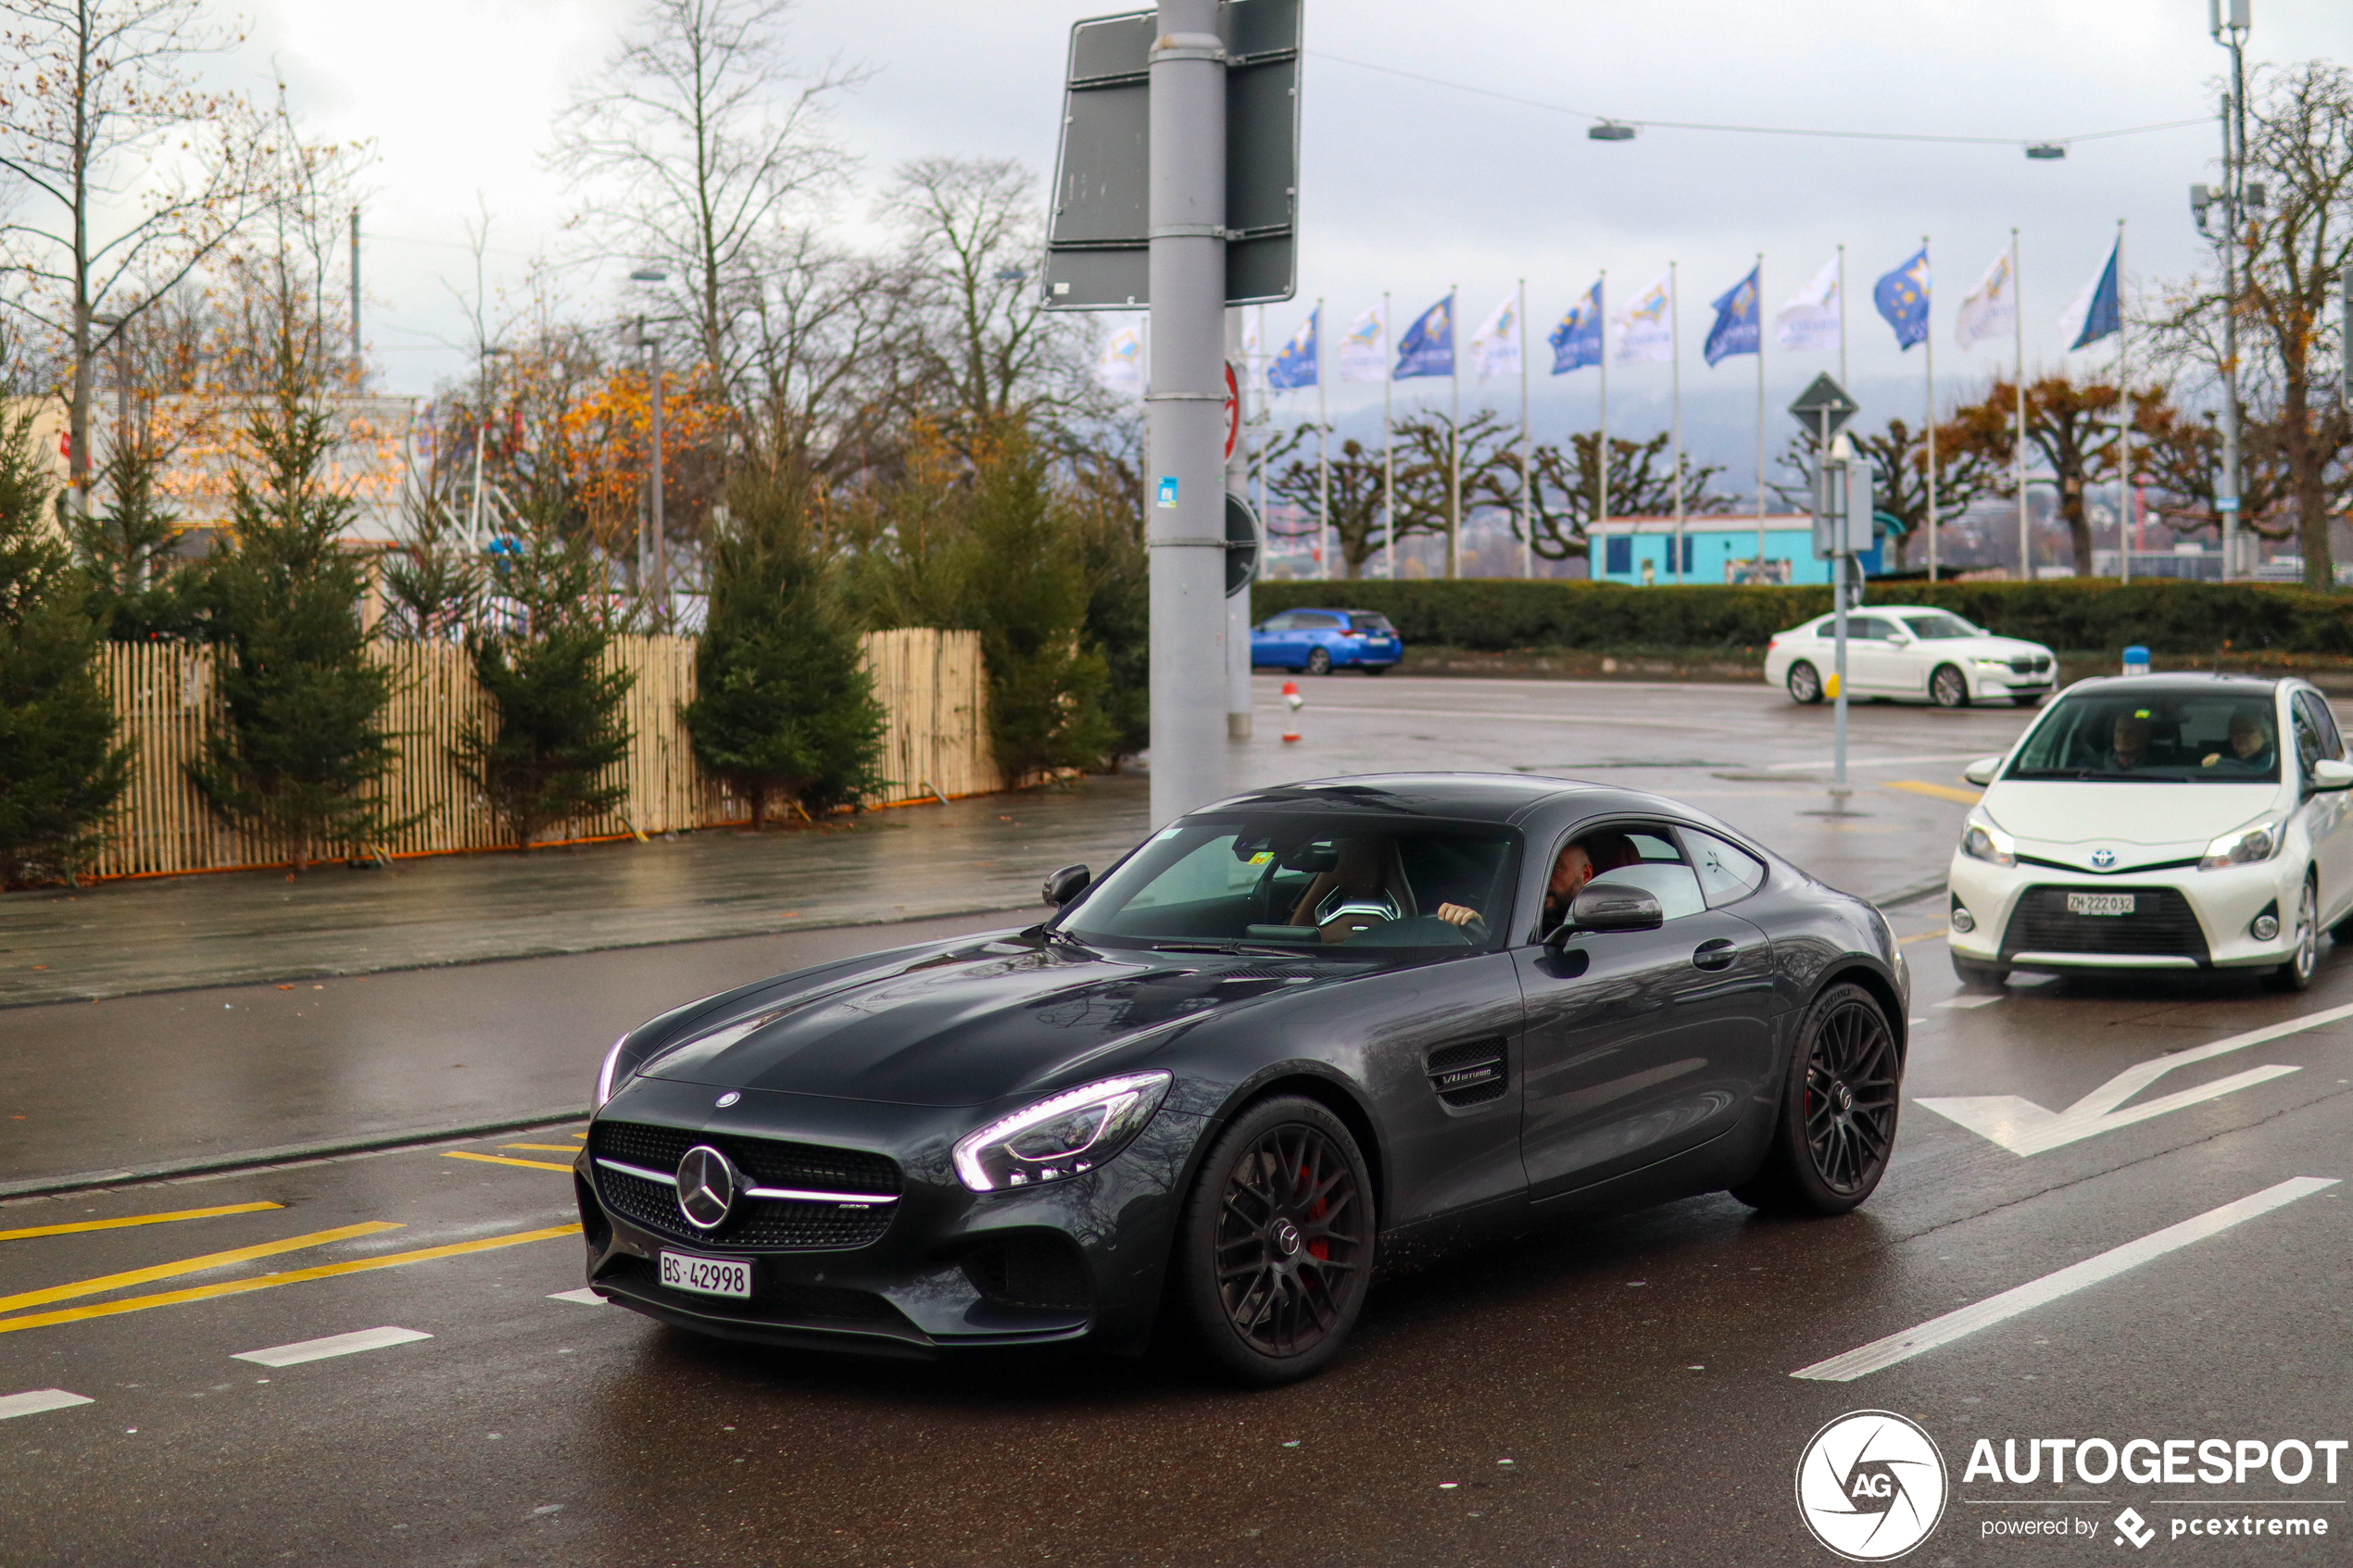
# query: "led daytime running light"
[1128,1102]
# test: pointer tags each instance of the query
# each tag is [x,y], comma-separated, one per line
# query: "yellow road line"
[135,1220]
[190,1265]
[1921,936]
[1941,792]
[550,1148]
[502,1159]
[265,1282]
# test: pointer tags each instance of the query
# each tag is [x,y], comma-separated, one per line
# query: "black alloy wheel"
[1805,684]
[1948,687]
[1318,662]
[1276,1245]
[1836,1127]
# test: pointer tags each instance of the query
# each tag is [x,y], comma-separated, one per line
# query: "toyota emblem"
[2103,859]
[707,1187]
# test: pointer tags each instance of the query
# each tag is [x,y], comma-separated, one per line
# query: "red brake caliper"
[1320,1248]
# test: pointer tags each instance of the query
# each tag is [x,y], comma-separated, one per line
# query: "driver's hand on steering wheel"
[1459,914]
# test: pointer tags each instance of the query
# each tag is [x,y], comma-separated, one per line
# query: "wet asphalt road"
[1613,1391]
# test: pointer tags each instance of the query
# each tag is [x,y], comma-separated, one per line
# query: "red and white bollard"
[1293,701]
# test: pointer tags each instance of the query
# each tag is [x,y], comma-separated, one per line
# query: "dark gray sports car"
[1291,1036]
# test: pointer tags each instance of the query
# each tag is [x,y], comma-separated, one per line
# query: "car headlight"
[1980,840]
[605,1084]
[1064,1136]
[1992,663]
[2242,847]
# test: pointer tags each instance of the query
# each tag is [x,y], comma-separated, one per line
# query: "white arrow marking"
[2023,1127]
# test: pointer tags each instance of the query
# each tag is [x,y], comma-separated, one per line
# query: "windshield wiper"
[1234,950]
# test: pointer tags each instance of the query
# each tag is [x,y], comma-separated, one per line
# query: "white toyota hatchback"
[1910,651]
[2159,821]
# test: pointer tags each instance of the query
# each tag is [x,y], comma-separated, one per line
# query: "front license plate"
[707,1276]
[2099,903]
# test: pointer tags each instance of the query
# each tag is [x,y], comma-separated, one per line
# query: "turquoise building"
[1639,550]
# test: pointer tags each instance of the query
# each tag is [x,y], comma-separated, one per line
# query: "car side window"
[1313,620]
[1282,622]
[2307,737]
[1660,870]
[1726,870]
[2324,721]
[1867,626]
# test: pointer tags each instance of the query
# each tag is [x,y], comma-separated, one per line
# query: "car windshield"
[1308,884]
[1937,627]
[2154,733]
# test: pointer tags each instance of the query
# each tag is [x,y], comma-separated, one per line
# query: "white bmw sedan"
[2159,822]
[1910,651]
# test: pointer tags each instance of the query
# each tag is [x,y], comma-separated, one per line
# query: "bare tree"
[828,365]
[1356,512]
[96,94]
[1969,467]
[1566,488]
[700,145]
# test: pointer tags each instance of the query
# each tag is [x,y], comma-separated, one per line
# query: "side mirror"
[1612,905]
[2329,773]
[1065,885]
[1981,773]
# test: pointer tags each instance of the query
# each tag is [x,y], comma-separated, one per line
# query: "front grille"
[2036,665]
[765,1224]
[783,1299]
[2162,924]
[1470,1073]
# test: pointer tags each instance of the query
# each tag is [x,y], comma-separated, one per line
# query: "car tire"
[2025,699]
[1835,1127]
[1283,1179]
[2297,973]
[1975,976]
[1947,687]
[1805,684]
[1318,662]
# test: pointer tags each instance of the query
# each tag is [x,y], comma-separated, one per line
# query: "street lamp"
[2228,21]
[655,275]
[2045,152]
[1609,131]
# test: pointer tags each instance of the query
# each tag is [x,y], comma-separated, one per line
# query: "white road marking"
[1969,1002]
[584,1296]
[333,1344]
[1881,1354]
[40,1399]
[2023,1127]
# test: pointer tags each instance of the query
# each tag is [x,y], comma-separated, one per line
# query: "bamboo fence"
[932,685]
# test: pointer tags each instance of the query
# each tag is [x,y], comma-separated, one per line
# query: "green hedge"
[2083,614]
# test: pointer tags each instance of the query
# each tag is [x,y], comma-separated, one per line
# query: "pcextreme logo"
[1871,1485]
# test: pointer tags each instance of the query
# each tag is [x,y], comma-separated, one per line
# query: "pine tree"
[61,769]
[126,550]
[304,751]
[548,757]
[781,701]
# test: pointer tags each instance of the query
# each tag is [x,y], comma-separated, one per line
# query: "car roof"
[1495,798]
[1326,609]
[2191,680]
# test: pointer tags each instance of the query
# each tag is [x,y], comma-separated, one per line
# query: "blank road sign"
[1098,243]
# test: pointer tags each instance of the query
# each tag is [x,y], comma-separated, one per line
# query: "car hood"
[2090,812]
[1984,648]
[969,1025]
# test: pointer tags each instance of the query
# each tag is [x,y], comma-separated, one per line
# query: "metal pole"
[358,370]
[2018,326]
[1453,444]
[1842,315]
[1928,342]
[1323,461]
[1758,574]
[662,535]
[2228,493]
[2123,417]
[1601,454]
[1184,405]
[1387,448]
[1237,713]
[1824,483]
[1526,513]
[1675,352]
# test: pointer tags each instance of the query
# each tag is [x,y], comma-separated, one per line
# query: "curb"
[285,1154]
[1911,894]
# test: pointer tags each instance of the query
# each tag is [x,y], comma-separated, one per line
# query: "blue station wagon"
[1320,641]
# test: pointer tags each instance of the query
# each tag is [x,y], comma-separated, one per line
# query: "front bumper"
[2222,903]
[1082,1259]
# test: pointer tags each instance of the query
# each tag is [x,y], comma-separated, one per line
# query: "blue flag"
[2104,312]
[1902,297]
[1301,361]
[1428,347]
[1738,320]
[1577,342]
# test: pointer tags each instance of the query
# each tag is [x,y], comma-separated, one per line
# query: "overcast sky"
[1409,185]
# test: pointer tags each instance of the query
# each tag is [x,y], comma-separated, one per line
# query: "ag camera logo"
[1871,1485]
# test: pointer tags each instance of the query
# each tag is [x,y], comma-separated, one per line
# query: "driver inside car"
[1580,861]
[2250,745]
[1356,895]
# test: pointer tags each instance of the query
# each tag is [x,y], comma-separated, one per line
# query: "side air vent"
[1470,1073]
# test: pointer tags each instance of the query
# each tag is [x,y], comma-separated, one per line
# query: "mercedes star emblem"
[707,1187]
[2103,859]
[730,1097]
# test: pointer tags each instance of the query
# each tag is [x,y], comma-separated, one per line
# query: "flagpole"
[1454,446]
[1527,522]
[1929,303]
[2124,419]
[1266,421]
[1323,461]
[1675,354]
[1387,448]
[1758,574]
[1841,318]
[1601,457]
[2017,329]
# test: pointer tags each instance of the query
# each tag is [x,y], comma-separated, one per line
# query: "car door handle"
[1716,953]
